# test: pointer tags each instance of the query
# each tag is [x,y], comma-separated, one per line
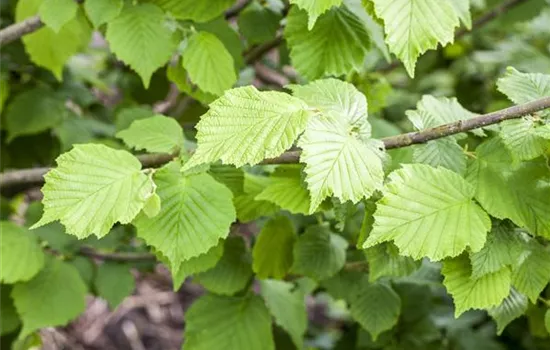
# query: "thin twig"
[236,9]
[258,51]
[118,256]
[17,30]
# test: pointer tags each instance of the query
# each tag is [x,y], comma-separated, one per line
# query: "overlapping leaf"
[200,263]
[511,308]
[114,282]
[315,8]
[524,87]
[443,152]
[102,11]
[198,11]
[155,134]
[287,190]
[56,13]
[532,273]
[248,207]
[384,261]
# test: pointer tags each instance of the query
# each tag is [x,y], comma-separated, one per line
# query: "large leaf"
[336,45]
[92,188]
[287,306]
[56,13]
[114,282]
[102,11]
[139,37]
[245,126]
[47,48]
[272,251]
[315,8]
[429,212]
[200,263]
[376,307]
[196,212]
[155,134]
[208,63]
[474,293]
[287,190]
[511,308]
[52,298]
[532,273]
[414,26]
[318,253]
[524,87]
[20,254]
[340,157]
[198,11]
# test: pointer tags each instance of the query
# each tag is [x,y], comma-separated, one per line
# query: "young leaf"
[248,207]
[532,273]
[474,293]
[155,134]
[56,13]
[376,307]
[102,11]
[287,307]
[511,308]
[139,38]
[196,212]
[20,254]
[208,63]
[415,26]
[318,253]
[287,191]
[245,126]
[272,252]
[201,263]
[114,282]
[232,272]
[258,23]
[524,87]
[229,323]
[337,44]
[110,188]
[429,212]
[197,11]
[445,152]
[52,298]
[315,8]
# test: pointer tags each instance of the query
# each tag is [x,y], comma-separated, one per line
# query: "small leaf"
[152,206]
[228,175]
[56,13]
[462,8]
[201,263]
[511,308]
[532,273]
[384,261]
[272,253]
[248,207]
[523,139]
[102,11]
[315,8]
[287,191]
[155,134]
[524,87]
[114,282]
[258,24]
[126,116]
[197,11]
[9,320]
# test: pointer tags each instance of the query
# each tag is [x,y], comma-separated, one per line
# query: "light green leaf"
[56,13]
[114,282]
[376,307]
[229,323]
[232,272]
[340,136]
[272,252]
[102,11]
[258,23]
[522,138]
[9,320]
[49,49]
[155,134]
[197,11]
[337,44]
[245,126]
[384,261]
[462,9]
[55,296]
[125,117]
[415,26]
[315,8]
[318,253]
[503,248]
[247,206]
[287,190]
[196,212]
[152,206]
[532,273]
[511,308]
[139,38]
[228,35]
[445,152]
[429,212]
[34,111]
[474,293]
[287,307]
[92,188]
[524,87]
[20,254]
[208,63]
[200,263]
[4,90]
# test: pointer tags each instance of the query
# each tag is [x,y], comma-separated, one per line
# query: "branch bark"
[122,257]
[17,30]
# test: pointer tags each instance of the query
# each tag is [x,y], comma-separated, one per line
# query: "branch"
[122,257]
[17,30]
[257,52]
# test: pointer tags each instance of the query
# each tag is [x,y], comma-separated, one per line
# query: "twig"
[17,30]
[236,9]
[169,102]
[118,256]
[258,51]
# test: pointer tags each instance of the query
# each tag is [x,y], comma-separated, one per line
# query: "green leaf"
[287,190]
[318,253]
[247,206]
[125,117]
[102,11]
[337,44]
[258,23]
[336,138]
[511,308]
[230,176]
[152,206]
[462,9]
[232,272]
[345,284]
[32,112]
[200,263]
[446,153]
[208,63]
[384,261]
[229,323]
[415,26]
[47,48]
[56,13]
[9,320]
[20,254]
[52,234]
[315,8]
[55,296]
[547,320]
[139,38]
[198,11]
[227,34]
[110,188]
[287,307]
[155,134]
[376,307]
[429,212]
[503,248]
[474,293]
[114,282]
[196,212]
[245,126]
[524,87]
[522,138]
[272,252]
[532,272]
